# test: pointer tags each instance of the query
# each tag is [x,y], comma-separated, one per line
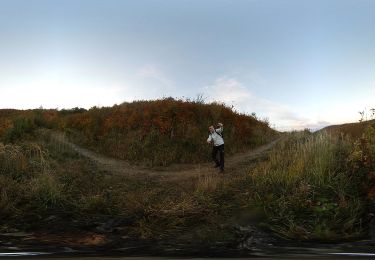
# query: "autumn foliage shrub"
[21,127]
[18,125]
[165,131]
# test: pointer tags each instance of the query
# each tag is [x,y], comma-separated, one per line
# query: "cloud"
[232,92]
[152,72]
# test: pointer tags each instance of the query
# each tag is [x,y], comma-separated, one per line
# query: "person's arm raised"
[220,129]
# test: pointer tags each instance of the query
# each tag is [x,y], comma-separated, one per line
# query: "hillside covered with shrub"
[155,133]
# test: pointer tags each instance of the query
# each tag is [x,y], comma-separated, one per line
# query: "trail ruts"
[118,166]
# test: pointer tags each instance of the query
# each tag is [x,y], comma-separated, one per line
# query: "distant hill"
[353,130]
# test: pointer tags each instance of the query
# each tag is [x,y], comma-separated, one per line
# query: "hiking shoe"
[216,165]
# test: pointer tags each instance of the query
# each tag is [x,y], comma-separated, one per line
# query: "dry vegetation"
[310,186]
[161,132]
[354,130]
[155,133]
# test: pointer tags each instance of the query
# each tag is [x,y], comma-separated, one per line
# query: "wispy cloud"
[233,92]
[152,72]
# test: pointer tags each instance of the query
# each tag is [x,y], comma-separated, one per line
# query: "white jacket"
[218,140]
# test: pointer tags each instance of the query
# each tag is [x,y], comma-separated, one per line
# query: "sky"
[299,63]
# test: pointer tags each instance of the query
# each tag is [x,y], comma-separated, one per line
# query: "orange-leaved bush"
[165,131]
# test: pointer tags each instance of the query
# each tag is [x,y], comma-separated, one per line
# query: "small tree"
[362,113]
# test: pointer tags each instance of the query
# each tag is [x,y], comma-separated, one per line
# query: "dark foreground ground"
[157,258]
[361,250]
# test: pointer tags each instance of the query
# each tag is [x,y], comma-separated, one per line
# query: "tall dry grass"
[306,188]
[26,159]
[22,169]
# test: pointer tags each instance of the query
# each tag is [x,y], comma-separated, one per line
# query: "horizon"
[301,64]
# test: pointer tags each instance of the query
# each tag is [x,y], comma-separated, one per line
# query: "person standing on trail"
[216,136]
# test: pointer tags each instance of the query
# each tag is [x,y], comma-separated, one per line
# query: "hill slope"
[153,133]
[354,130]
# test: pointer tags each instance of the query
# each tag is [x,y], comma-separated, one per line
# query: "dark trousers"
[215,150]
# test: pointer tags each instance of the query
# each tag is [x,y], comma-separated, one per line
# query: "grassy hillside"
[164,131]
[354,130]
[155,133]
[308,187]
[47,187]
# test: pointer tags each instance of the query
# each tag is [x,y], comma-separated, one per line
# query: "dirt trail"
[118,166]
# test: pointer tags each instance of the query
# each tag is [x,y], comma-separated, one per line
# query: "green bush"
[23,126]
